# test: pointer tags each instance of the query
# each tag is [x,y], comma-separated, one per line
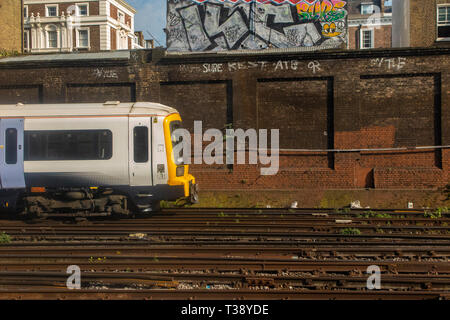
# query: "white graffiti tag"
[105,74]
[314,66]
[389,63]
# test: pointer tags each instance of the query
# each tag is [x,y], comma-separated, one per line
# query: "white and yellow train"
[87,159]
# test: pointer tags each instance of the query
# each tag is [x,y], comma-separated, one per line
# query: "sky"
[151,18]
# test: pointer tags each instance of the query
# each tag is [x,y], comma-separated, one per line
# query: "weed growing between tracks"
[350,231]
[436,214]
[373,214]
[4,238]
[97,260]
[343,210]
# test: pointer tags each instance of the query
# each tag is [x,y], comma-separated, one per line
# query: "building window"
[52,39]
[367,8]
[367,39]
[83,38]
[25,11]
[122,40]
[26,40]
[443,22]
[83,9]
[51,10]
[121,17]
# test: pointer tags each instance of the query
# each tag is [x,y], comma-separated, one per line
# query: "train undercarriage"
[76,203]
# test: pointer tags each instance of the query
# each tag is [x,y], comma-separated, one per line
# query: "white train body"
[97,149]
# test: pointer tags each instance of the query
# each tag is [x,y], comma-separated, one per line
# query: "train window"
[11,146]
[140,144]
[68,145]
[176,139]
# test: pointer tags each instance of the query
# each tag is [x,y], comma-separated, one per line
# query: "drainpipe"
[359,37]
[22,28]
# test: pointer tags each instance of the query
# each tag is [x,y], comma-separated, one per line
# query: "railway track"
[230,253]
[58,294]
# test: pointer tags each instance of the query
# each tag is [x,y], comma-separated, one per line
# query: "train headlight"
[180,171]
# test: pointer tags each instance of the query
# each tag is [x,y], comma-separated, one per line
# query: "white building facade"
[68,26]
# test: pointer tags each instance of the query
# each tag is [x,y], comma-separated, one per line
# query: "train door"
[11,154]
[140,155]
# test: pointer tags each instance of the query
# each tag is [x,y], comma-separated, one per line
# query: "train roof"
[111,108]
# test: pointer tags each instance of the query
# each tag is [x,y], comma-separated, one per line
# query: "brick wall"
[94,34]
[326,100]
[382,37]
[11,31]
[423,30]
[113,12]
[423,22]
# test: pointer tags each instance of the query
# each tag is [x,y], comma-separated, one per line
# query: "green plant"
[5,238]
[164,204]
[373,214]
[350,231]
[369,213]
[436,214]
[383,215]
[6,53]
[96,260]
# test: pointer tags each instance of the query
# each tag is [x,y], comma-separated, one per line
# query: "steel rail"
[216,232]
[62,294]
[231,217]
[117,263]
[235,228]
[173,280]
[139,243]
[261,250]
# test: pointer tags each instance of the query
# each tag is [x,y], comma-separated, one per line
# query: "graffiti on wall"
[212,25]
[288,65]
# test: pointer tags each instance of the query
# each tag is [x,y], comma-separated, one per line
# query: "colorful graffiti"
[329,30]
[322,10]
[213,25]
